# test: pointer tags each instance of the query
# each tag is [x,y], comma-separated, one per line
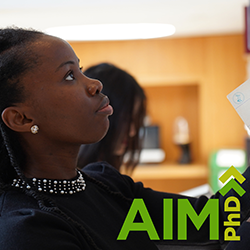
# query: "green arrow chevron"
[234,185]
[232,171]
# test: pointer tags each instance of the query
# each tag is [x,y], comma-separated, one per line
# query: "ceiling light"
[102,32]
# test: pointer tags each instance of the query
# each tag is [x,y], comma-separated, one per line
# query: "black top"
[244,243]
[101,210]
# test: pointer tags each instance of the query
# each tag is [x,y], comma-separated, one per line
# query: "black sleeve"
[244,242]
[28,229]
[154,203]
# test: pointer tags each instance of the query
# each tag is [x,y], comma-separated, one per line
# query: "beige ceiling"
[190,17]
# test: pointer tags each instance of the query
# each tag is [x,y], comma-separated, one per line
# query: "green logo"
[230,233]
[184,210]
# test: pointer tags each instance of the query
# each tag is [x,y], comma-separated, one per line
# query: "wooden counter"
[171,178]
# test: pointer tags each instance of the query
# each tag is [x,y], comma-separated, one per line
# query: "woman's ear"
[15,119]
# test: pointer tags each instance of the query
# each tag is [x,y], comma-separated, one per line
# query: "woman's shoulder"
[16,209]
[99,169]
[13,200]
[24,224]
[17,206]
[108,175]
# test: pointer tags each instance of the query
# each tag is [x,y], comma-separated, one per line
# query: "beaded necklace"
[72,186]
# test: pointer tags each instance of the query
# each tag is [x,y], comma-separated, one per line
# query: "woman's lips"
[105,108]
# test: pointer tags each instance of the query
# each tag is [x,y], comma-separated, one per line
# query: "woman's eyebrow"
[65,63]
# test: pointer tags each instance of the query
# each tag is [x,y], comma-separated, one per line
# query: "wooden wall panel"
[225,70]
[215,64]
[165,104]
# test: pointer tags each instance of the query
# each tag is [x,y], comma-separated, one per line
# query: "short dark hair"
[123,92]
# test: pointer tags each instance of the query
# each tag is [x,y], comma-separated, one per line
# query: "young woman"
[123,137]
[48,110]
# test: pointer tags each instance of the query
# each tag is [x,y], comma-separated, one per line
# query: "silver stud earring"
[34,129]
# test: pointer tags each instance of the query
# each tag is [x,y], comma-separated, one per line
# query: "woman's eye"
[70,77]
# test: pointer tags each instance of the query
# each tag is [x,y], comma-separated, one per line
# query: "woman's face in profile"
[66,105]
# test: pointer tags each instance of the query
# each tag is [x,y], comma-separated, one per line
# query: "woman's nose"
[94,87]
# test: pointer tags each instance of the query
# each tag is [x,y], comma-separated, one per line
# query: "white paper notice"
[240,99]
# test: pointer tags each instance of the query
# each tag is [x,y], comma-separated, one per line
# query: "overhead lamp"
[104,32]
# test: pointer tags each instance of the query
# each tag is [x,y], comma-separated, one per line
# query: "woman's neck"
[56,168]
[51,164]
